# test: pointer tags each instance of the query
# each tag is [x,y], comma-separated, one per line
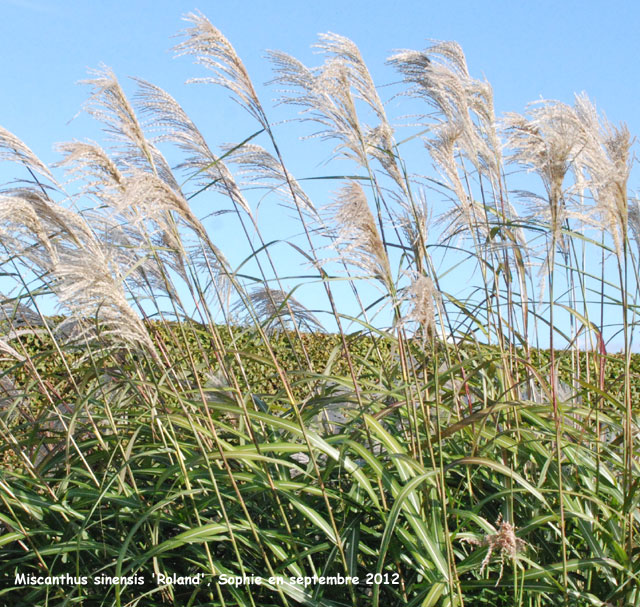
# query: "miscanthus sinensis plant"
[443,359]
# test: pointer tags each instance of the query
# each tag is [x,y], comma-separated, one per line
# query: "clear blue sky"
[527,51]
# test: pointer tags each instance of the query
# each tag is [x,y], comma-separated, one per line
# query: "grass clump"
[448,442]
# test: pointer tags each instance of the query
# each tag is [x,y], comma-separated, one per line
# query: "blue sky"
[526,50]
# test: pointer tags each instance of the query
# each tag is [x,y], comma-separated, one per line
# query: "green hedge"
[193,348]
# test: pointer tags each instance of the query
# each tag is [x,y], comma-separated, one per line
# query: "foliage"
[188,416]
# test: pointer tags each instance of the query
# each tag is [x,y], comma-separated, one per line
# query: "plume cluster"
[422,296]
[213,51]
[329,96]
[442,409]
[358,240]
[86,275]
[275,310]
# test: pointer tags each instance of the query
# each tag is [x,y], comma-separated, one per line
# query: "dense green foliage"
[192,346]
[144,496]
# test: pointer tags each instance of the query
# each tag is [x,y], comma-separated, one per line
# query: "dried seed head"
[276,309]
[607,161]
[358,241]
[328,96]
[168,117]
[422,296]
[549,141]
[13,149]
[213,51]
[504,541]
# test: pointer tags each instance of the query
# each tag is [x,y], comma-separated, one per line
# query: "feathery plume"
[359,76]
[109,104]
[465,130]
[157,209]
[414,220]
[328,95]
[467,214]
[85,275]
[213,51]
[90,285]
[264,170]
[549,142]
[23,234]
[89,162]
[148,197]
[326,98]
[13,149]
[276,309]
[358,241]
[607,161]
[210,259]
[422,296]
[634,219]
[168,116]
[440,76]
